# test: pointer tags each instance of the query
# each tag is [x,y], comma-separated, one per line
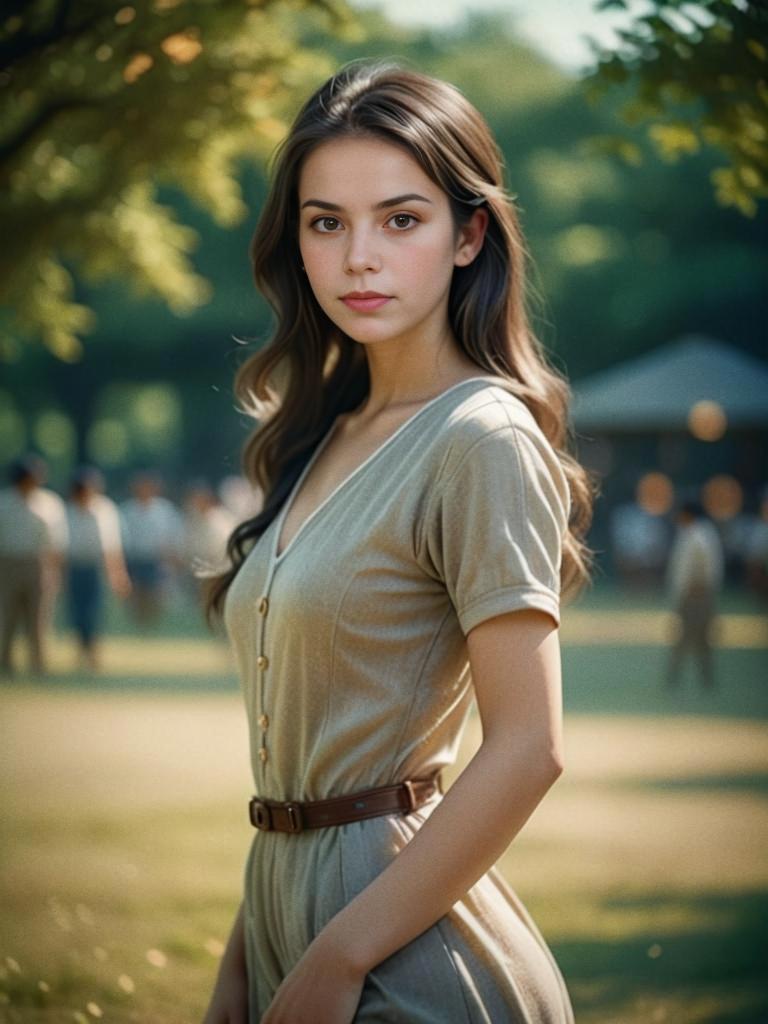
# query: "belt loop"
[294,817]
[413,802]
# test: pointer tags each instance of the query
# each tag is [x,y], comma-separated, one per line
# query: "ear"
[470,238]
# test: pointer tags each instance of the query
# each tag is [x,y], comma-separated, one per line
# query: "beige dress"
[351,650]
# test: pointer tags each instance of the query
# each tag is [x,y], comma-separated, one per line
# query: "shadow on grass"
[720,963]
[749,782]
[617,680]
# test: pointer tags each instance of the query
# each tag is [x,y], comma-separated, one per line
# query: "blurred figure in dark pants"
[694,578]
[95,552]
[33,539]
[151,530]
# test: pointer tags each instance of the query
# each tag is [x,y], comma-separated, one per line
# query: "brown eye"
[399,218]
[328,224]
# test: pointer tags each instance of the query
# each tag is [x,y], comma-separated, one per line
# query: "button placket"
[262,663]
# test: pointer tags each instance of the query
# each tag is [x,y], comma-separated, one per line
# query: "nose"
[361,254]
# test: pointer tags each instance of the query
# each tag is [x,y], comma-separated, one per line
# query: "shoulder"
[494,426]
[48,502]
[103,505]
[709,533]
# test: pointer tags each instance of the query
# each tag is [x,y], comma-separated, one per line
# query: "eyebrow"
[395,201]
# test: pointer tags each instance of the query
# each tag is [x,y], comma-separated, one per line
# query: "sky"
[555,27]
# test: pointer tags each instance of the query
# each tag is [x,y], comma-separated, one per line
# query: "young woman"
[420,520]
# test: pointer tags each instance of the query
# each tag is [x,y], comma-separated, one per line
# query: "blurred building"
[688,418]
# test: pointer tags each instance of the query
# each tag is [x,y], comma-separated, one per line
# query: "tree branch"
[38,120]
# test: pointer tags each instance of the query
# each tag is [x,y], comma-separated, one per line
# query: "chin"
[371,337]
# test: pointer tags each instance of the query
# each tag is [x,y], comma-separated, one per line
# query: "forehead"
[366,168]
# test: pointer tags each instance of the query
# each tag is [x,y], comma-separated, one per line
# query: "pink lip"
[365,304]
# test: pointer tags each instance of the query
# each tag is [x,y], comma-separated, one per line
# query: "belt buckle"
[259,813]
[294,816]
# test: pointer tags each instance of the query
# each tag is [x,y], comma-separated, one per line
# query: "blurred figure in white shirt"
[694,579]
[243,499]
[33,540]
[207,526]
[151,528]
[95,554]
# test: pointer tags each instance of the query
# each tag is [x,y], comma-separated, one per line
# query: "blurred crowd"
[84,544]
[642,543]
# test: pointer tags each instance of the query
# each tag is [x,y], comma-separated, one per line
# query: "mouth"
[365,302]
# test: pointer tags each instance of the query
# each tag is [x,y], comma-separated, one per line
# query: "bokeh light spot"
[722,496]
[655,493]
[126,983]
[157,958]
[707,420]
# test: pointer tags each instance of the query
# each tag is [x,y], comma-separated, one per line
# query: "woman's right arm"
[229,1002]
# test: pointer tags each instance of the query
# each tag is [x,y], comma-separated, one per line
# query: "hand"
[122,586]
[321,987]
[229,1002]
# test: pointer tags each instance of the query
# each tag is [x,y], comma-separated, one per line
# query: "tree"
[698,73]
[99,104]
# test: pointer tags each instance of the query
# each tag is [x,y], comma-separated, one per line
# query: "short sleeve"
[108,520]
[494,527]
[58,531]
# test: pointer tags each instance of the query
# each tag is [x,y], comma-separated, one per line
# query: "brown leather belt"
[297,815]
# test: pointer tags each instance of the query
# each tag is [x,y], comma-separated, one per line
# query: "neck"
[404,373]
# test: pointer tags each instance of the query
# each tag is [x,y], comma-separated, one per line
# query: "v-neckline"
[276,558]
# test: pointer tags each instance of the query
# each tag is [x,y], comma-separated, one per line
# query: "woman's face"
[371,221]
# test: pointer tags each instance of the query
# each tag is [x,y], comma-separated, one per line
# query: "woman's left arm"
[515,665]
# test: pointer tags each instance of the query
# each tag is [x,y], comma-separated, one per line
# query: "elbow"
[542,761]
[553,759]
[549,767]
[557,765]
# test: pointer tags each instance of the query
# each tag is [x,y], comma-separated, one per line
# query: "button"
[263,754]
[263,721]
[263,605]
[262,661]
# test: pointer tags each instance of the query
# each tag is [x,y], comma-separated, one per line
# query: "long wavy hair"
[310,371]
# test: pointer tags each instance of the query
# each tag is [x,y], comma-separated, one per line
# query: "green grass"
[124,836]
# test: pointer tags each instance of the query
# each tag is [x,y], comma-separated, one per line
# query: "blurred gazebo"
[689,418]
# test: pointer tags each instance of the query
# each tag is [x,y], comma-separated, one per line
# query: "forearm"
[463,837]
[117,572]
[229,1000]
[235,950]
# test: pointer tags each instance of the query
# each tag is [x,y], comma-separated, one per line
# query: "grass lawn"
[124,838]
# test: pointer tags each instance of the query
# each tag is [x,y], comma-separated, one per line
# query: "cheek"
[309,247]
[428,259]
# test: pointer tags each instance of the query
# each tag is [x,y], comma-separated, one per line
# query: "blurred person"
[756,553]
[207,526]
[242,498]
[639,543]
[95,553]
[33,540]
[693,580]
[151,530]
[736,534]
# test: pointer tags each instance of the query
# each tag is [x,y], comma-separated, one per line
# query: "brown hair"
[322,372]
